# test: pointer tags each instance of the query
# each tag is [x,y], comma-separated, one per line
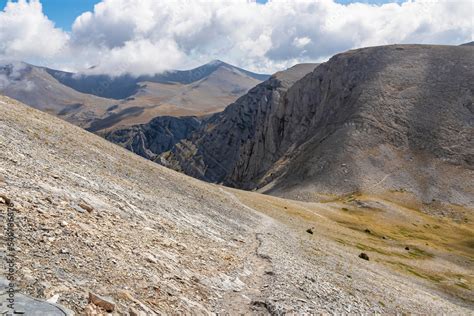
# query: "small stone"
[132,312]
[105,303]
[125,295]
[4,199]
[364,256]
[92,310]
[407,248]
[367,231]
[64,251]
[63,224]
[309,231]
[53,299]
[150,258]
[86,206]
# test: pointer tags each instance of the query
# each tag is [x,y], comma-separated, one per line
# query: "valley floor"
[92,217]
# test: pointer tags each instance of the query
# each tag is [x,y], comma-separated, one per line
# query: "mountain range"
[99,102]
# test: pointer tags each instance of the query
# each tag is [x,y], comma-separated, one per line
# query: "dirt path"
[254,274]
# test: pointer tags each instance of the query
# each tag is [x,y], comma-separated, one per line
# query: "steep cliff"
[236,138]
[394,117]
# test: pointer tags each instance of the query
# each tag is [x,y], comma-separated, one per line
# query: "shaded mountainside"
[100,102]
[215,149]
[92,217]
[157,136]
[393,117]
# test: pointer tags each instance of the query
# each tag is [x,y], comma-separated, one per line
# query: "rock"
[102,302]
[150,258]
[86,207]
[367,231]
[309,231]
[132,312]
[63,223]
[92,310]
[407,248]
[78,208]
[364,256]
[125,295]
[4,199]
[53,299]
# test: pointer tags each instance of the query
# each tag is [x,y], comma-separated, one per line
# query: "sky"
[149,36]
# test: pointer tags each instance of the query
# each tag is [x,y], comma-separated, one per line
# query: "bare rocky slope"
[92,218]
[396,117]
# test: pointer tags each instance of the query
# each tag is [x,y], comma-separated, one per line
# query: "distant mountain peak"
[215,62]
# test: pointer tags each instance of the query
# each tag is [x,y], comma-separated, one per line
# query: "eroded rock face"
[236,145]
[151,139]
[393,117]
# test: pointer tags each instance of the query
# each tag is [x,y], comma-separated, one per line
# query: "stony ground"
[92,217]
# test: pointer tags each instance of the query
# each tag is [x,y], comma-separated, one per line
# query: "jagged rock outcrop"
[386,117]
[157,136]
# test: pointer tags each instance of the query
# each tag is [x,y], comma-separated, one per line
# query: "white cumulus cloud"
[149,36]
[26,33]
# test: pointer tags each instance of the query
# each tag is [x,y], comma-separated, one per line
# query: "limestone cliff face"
[157,136]
[396,116]
[238,144]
